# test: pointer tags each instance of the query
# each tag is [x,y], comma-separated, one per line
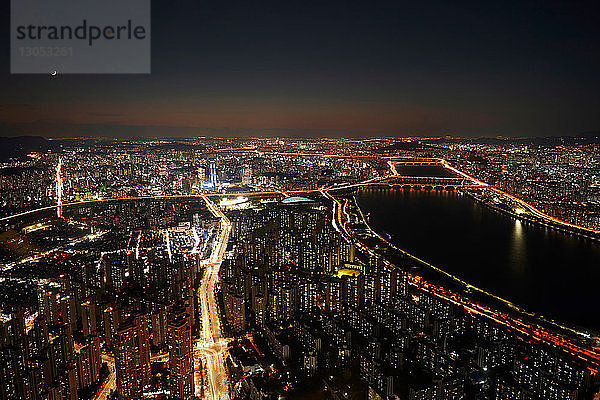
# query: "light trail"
[191,196]
[299,154]
[389,159]
[392,168]
[110,383]
[531,332]
[286,193]
[137,246]
[513,322]
[211,348]
[529,207]
[153,197]
[59,188]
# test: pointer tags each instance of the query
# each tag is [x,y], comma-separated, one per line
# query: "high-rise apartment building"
[132,357]
[181,364]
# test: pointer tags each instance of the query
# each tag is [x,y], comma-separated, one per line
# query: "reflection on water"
[545,270]
[518,249]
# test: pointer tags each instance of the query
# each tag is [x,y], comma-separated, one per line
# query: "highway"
[390,160]
[61,204]
[210,347]
[110,383]
[59,188]
[529,207]
[517,322]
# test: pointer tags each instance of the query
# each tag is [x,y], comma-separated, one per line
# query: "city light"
[267,272]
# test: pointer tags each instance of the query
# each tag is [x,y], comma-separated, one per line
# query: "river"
[547,272]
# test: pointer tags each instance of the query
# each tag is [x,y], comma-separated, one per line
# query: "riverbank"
[461,286]
[521,209]
[507,206]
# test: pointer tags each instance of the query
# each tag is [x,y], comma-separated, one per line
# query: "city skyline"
[236,269]
[339,200]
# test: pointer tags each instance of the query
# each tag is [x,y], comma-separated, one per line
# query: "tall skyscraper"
[132,357]
[181,365]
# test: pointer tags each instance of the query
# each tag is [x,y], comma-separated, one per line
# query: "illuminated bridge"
[429,182]
[421,162]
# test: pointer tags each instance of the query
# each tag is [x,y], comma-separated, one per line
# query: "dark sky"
[332,68]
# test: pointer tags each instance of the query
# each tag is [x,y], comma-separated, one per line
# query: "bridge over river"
[428,182]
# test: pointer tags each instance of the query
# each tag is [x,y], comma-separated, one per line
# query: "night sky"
[474,68]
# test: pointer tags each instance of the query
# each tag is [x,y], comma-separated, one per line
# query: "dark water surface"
[548,272]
